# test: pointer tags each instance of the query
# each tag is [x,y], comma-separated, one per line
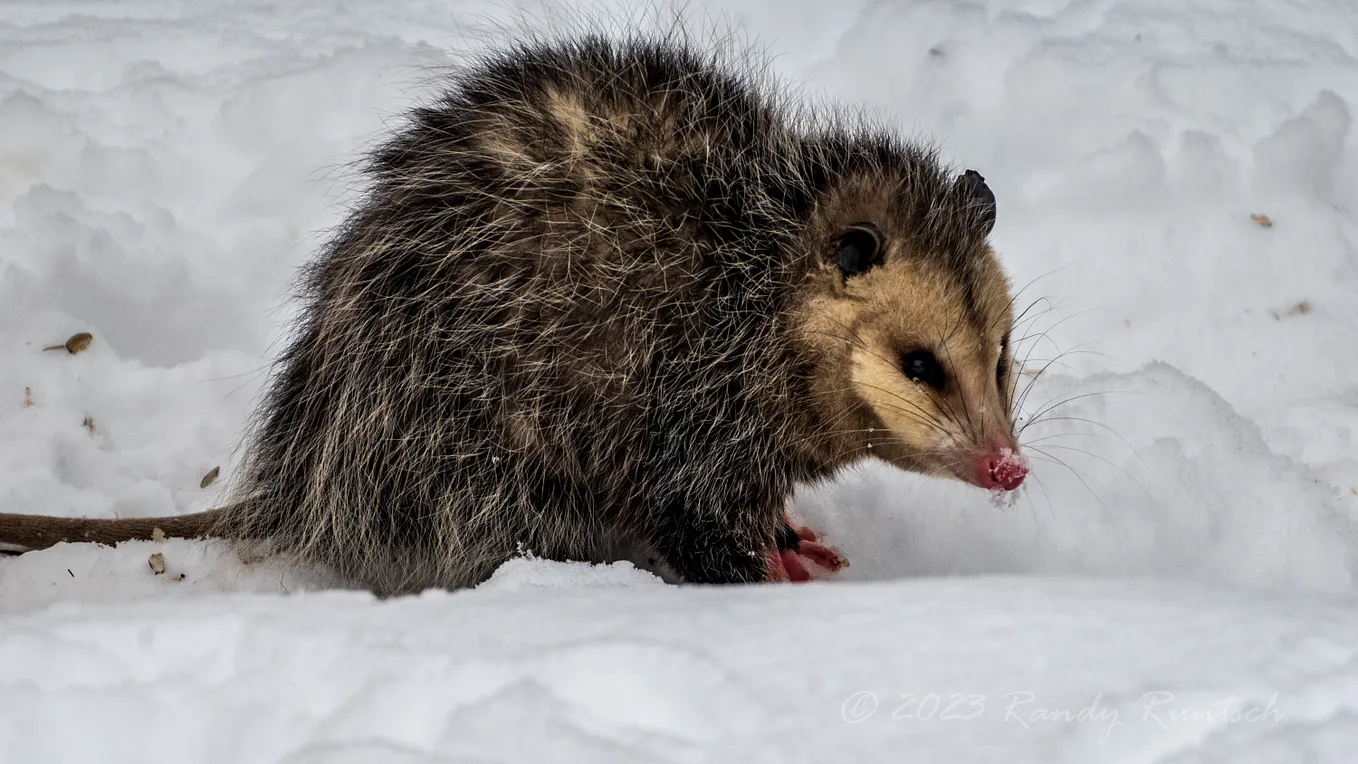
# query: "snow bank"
[1189,527]
[1148,473]
[1014,669]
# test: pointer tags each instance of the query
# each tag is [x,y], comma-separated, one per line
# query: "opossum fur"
[607,293]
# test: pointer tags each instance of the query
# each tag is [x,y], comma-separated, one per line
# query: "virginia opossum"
[604,293]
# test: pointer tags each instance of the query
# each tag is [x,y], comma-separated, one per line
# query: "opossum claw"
[795,543]
[824,556]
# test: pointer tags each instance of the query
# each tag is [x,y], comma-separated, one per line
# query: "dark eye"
[860,248]
[922,366]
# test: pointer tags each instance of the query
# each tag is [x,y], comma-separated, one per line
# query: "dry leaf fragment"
[179,577]
[89,424]
[28,397]
[1264,221]
[157,535]
[157,563]
[210,477]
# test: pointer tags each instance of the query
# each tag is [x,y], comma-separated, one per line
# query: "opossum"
[605,293]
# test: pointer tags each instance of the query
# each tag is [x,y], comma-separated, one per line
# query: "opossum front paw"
[798,543]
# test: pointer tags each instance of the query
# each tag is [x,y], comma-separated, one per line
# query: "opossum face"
[910,331]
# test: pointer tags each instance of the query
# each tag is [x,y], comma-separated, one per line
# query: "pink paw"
[788,565]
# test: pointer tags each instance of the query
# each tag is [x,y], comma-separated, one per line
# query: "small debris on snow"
[157,563]
[28,397]
[1300,309]
[157,535]
[88,424]
[75,344]
[210,477]
[1264,221]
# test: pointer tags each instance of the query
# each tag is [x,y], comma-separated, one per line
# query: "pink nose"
[1003,470]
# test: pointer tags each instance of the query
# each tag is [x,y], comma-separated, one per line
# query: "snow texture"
[1175,584]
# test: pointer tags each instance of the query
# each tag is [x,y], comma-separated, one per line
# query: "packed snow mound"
[1160,476]
[1175,183]
[1013,669]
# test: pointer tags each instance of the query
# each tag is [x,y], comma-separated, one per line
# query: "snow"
[557,662]
[1175,584]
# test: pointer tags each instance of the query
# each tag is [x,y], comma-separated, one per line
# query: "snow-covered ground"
[1176,583]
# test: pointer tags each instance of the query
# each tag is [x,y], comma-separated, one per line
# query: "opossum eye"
[922,366]
[981,196]
[860,248]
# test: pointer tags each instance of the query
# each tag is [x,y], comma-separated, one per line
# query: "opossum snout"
[1001,470]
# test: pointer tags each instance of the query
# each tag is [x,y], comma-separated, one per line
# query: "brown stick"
[42,531]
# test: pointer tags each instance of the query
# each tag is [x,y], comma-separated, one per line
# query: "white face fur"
[914,350]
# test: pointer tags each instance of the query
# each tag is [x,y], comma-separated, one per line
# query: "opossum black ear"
[860,248]
[980,195]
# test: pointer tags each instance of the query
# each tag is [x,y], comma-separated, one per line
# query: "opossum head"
[907,316]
